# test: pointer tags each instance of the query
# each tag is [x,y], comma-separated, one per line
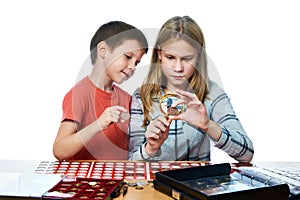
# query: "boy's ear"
[102,47]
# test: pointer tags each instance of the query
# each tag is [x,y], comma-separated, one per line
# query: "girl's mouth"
[178,77]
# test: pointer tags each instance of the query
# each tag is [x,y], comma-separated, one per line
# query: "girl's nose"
[178,66]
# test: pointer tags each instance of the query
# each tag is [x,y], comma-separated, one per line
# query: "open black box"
[216,182]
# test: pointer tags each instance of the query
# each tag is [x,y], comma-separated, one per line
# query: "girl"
[179,65]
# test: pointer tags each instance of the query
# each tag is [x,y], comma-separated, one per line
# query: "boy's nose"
[132,65]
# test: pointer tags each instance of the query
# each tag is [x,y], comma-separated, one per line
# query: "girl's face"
[178,59]
[122,61]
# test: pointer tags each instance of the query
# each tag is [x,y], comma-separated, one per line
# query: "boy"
[94,125]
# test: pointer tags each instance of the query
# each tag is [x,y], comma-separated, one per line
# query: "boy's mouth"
[127,75]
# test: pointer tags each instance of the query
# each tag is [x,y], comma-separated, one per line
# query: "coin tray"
[71,187]
[115,170]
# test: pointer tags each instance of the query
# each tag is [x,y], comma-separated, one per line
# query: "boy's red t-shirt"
[84,103]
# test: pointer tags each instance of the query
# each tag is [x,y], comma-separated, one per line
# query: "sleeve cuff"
[146,156]
[223,139]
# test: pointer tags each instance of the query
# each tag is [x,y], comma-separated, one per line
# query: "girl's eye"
[169,57]
[187,58]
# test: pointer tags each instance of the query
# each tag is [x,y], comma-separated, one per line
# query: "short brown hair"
[114,33]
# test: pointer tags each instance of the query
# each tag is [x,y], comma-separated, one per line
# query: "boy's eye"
[136,63]
[128,56]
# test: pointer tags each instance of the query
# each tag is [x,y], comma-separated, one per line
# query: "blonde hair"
[176,28]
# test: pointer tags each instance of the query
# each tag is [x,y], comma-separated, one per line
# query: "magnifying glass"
[167,105]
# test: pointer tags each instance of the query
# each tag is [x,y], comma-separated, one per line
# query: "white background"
[253,44]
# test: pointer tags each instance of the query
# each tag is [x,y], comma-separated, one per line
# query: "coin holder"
[155,167]
[75,168]
[119,170]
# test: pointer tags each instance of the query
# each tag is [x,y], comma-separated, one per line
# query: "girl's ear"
[102,47]
[158,51]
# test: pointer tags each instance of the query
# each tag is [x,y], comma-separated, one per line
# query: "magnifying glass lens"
[168,105]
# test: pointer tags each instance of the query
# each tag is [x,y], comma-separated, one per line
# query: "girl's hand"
[112,114]
[195,113]
[157,132]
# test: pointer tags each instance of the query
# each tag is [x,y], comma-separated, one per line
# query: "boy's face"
[122,61]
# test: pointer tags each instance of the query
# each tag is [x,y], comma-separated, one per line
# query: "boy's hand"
[112,114]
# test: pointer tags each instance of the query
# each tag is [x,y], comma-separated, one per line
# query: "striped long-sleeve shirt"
[186,142]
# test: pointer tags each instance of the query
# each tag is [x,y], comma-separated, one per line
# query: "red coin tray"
[115,170]
[71,187]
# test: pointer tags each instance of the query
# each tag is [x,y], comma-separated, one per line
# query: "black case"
[177,184]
